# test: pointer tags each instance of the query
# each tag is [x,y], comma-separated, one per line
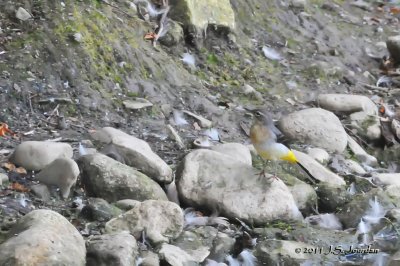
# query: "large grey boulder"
[62,172]
[43,237]
[211,179]
[119,249]
[347,103]
[393,45]
[106,178]
[176,256]
[200,14]
[236,150]
[317,127]
[136,153]
[35,155]
[160,220]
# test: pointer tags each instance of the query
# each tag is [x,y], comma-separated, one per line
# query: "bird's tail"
[311,177]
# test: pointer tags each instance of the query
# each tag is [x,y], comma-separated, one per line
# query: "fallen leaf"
[18,187]
[4,130]
[9,166]
[20,170]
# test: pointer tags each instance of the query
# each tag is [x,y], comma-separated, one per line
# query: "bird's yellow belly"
[273,152]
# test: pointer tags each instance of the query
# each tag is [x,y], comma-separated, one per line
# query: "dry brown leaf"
[20,170]
[9,166]
[18,187]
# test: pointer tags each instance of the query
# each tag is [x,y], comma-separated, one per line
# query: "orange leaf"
[4,130]
[19,187]
[9,166]
[395,10]
[20,170]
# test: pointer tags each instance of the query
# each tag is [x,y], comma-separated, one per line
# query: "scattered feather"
[172,192]
[189,60]
[139,261]
[82,150]
[78,202]
[248,259]
[271,54]
[22,200]
[384,81]
[326,220]
[212,133]
[194,218]
[210,262]
[179,119]
[375,213]
[352,189]
[232,261]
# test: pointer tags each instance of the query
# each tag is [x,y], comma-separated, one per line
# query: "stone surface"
[118,249]
[201,14]
[22,14]
[360,153]
[367,125]
[136,153]
[161,220]
[347,103]
[386,179]
[100,210]
[315,126]
[273,252]
[62,172]
[320,155]
[319,171]
[35,155]
[41,191]
[126,204]
[208,179]
[43,237]
[106,178]
[173,255]
[136,104]
[174,34]
[236,150]
[393,45]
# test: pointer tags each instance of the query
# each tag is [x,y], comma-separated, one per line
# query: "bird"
[264,136]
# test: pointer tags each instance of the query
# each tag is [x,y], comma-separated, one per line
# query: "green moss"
[212,59]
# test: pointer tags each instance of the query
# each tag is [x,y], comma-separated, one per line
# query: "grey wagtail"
[263,135]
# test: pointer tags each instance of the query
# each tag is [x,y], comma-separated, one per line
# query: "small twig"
[52,113]
[30,102]
[118,9]
[372,87]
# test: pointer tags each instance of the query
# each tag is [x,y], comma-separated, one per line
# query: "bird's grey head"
[264,117]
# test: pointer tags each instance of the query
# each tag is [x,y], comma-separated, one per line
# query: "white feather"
[248,258]
[82,150]
[189,60]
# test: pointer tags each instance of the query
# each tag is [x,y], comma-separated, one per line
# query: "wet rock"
[126,204]
[222,246]
[393,45]
[237,151]
[136,153]
[274,252]
[386,179]
[197,242]
[393,192]
[35,155]
[316,127]
[44,237]
[320,155]
[106,178]
[304,194]
[41,191]
[174,34]
[173,255]
[136,104]
[360,153]
[208,179]
[300,4]
[347,104]
[319,171]
[219,12]
[61,172]
[149,258]
[351,213]
[22,14]
[368,126]
[112,249]
[346,166]
[161,220]
[99,210]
